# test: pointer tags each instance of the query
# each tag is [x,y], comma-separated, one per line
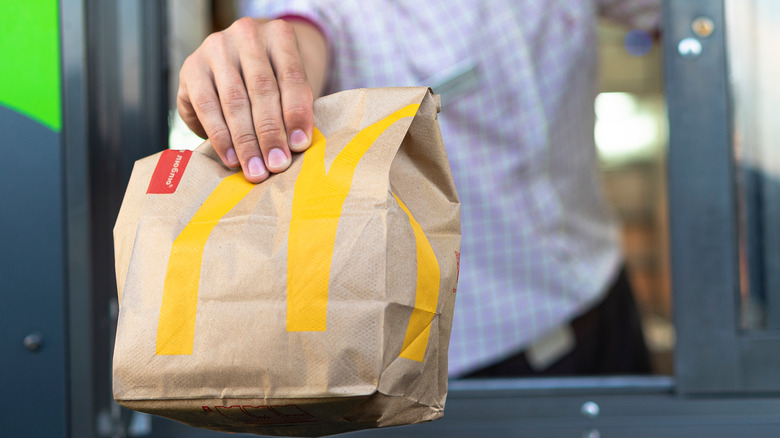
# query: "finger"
[205,102]
[187,112]
[267,113]
[263,92]
[238,113]
[296,94]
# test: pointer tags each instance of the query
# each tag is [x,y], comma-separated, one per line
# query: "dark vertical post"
[703,211]
[116,98]
[76,194]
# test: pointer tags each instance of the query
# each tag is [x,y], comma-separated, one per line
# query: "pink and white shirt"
[518,80]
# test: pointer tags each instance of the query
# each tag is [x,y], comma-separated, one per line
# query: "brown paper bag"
[319,301]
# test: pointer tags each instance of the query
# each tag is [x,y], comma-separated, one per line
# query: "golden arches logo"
[176,325]
[318,200]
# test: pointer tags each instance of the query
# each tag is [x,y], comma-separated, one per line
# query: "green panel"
[30,54]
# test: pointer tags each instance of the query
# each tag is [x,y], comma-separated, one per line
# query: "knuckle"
[282,28]
[245,26]
[263,85]
[215,40]
[190,68]
[296,113]
[219,135]
[234,97]
[243,23]
[206,104]
[293,75]
[245,140]
[185,66]
[181,95]
[269,130]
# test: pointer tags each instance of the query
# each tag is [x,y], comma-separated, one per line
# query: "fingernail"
[231,157]
[277,158]
[256,167]
[298,140]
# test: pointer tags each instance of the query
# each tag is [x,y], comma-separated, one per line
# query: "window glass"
[754,67]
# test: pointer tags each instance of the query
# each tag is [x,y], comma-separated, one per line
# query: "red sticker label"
[168,173]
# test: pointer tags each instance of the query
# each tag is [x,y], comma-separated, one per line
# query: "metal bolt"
[689,48]
[703,27]
[33,342]
[590,409]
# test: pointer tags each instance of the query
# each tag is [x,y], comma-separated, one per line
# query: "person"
[542,287]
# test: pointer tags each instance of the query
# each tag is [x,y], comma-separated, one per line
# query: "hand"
[246,89]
